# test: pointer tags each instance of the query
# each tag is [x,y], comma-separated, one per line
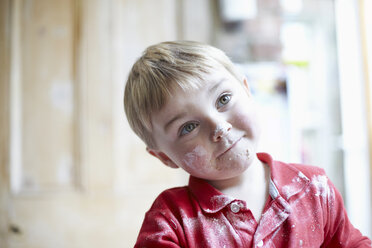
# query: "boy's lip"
[225,150]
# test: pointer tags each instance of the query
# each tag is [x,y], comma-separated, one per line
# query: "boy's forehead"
[205,80]
[177,90]
[208,84]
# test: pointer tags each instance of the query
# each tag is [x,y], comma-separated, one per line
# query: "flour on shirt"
[321,185]
[161,224]
[289,191]
[296,186]
[318,182]
[217,231]
[221,200]
[270,241]
[318,187]
[271,219]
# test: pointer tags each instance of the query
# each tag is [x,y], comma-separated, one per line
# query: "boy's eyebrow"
[170,122]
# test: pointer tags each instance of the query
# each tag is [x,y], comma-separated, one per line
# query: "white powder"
[162,226]
[322,188]
[218,226]
[192,156]
[219,231]
[293,188]
[221,129]
[320,183]
[271,218]
[269,242]
[221,200]
[289,190]
[296,186]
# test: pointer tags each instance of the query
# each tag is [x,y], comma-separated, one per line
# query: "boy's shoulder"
[287,172]
[293,178]
[171,199]
[307,170]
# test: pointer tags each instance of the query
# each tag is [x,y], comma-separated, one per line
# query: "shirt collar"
[287,179]
[282,184]
[210,199]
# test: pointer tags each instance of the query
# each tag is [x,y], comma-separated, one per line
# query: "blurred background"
[72,173]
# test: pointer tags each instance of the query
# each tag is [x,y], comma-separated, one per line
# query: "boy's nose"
[221,130]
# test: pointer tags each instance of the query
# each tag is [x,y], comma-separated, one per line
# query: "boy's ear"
[246,86]
[162,157]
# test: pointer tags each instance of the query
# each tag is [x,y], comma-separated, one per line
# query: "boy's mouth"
[228,148]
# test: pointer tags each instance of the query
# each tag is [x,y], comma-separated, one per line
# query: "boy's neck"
[252,187]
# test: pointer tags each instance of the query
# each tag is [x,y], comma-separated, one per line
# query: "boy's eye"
[188,128]
[223,100]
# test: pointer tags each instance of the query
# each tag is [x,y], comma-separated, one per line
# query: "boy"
[194,111]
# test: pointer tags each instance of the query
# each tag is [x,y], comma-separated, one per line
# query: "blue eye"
[188,128]
[223,100]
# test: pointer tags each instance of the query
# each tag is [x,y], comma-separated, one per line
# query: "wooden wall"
[72,172]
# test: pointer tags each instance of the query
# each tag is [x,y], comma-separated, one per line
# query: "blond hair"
[162,68]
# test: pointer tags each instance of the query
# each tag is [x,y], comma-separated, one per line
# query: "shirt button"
[260,244]
[235,207]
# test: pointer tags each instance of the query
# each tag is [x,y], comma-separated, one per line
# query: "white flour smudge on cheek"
[191,158]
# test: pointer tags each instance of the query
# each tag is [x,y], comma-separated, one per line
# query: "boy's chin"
[237,161]
[225,173]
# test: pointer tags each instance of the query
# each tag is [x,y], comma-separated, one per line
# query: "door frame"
[5,117]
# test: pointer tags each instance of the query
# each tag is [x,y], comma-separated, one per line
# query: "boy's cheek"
[247,120]
[251,127]
[194,157]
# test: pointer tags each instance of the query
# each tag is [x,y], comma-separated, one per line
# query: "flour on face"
[194,155]
[221,130]
[241,152]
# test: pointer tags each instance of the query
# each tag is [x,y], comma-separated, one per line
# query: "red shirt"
[304,210]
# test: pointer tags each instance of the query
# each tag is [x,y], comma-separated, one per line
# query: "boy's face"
[210,132]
